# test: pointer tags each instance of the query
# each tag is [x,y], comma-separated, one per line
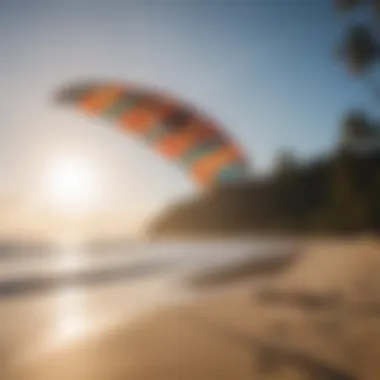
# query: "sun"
[70,185]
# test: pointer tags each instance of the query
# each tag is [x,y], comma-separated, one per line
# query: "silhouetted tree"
[360,47]
[359,50]
[334,194]
[344,5]
[358,132]
[285,162]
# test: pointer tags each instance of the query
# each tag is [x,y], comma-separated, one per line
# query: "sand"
[319,318]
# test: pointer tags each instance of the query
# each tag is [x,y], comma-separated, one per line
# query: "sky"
[264,68]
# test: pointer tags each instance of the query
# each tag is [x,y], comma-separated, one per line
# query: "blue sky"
[264,68]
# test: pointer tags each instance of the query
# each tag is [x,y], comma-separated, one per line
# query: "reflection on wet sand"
[69,305]
[71,317]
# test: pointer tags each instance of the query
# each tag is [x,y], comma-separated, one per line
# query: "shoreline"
[238,333]
[253,267]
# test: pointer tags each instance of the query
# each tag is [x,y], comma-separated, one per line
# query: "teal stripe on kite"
[203,149]
[157,132]
[231,173]
[124,104]
[160,131]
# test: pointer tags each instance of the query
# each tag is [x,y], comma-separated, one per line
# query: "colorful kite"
[172,128]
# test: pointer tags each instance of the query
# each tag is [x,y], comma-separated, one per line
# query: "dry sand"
[318,319]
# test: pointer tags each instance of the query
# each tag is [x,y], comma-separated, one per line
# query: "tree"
[358,132]
[359,50]
[344,5]
[285,162]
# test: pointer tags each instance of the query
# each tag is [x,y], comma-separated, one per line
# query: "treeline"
[336,194]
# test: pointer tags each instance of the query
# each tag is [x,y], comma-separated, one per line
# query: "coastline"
[288,325]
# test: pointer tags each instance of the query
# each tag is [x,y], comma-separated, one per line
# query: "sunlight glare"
[71,321]
[70,185]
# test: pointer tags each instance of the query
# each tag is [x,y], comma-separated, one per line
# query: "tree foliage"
[345,5]
[285,162]
[337,194]
[359,48]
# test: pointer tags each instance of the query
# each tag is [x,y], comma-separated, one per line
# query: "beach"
[316,318]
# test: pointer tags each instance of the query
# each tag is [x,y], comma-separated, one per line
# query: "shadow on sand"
[270,358]
[314,302]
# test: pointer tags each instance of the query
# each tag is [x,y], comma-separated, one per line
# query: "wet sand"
[317,319]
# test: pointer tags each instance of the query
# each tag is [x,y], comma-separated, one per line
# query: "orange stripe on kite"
[138,120]
[144,116]
[99,100]
[173,146]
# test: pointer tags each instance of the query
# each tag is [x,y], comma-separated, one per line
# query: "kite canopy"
[170,127]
